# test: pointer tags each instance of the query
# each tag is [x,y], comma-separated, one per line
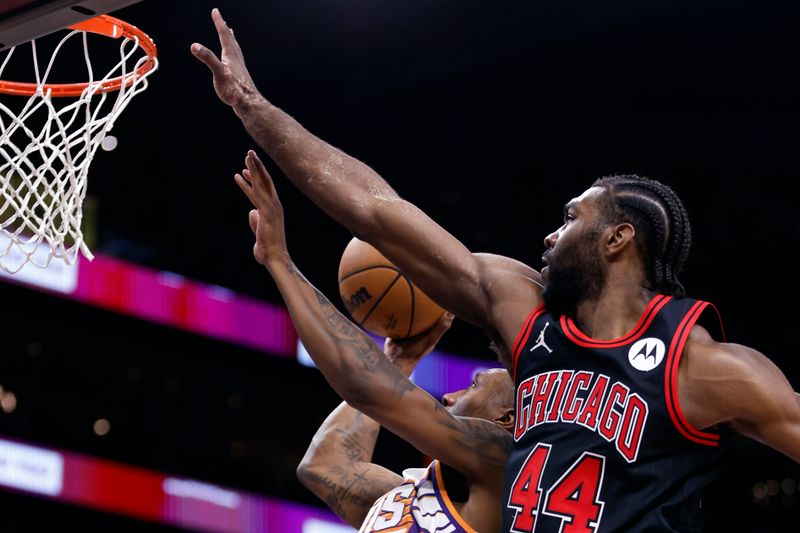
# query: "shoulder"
[513,289]
[722,382]
[708,357]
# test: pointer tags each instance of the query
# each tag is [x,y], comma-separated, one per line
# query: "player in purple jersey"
[468,432]
[609,295]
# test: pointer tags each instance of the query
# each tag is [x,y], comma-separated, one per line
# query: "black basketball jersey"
[601,443]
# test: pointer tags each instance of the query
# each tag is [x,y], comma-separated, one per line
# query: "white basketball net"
[46,147]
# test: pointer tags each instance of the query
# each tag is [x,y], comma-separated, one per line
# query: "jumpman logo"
[540,340]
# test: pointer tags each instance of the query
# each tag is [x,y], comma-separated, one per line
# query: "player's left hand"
[406,353]
[266,220]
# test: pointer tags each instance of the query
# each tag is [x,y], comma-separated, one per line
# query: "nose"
[449,399]
[551,239]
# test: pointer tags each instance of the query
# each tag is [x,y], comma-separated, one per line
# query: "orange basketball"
[379,297]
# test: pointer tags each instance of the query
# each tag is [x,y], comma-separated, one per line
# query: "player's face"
[574,270]
[489,392]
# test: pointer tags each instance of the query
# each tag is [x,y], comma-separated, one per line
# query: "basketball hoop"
[47,144]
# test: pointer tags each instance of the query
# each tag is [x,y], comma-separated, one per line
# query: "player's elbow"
[302,473]
[374,217]
[365,396]
[310,473]
[359,398]
[365,227]
[359,386]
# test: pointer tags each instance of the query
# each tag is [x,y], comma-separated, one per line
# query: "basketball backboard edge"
[23,20]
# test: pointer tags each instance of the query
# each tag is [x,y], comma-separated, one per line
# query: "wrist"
[250,102]
[405,367]
[277,261]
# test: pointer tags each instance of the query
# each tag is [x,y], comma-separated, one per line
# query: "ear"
[618,238]
[506,420]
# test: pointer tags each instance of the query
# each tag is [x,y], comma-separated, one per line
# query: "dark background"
[489,116]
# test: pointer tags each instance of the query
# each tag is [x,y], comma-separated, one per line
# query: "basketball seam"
[411,315]
[380,298]
[359,271]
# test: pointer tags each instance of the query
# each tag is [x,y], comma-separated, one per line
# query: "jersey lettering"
[573,403]
[565,376]
[609,420]
[565,396]
[388,512]
[630,435]
[419,505]
[588,416]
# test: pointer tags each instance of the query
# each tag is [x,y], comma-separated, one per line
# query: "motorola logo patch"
[646,354]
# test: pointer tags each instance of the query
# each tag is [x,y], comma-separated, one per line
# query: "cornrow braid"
[663,232]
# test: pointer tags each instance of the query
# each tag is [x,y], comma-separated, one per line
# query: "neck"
[615,311]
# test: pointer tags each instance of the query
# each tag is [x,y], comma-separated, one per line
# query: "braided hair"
[663,232]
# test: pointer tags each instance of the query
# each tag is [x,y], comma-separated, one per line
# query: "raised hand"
[232,80]
[406,353]
[266,220]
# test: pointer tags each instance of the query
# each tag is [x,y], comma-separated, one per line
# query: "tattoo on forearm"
[358,440]
[372,358]
[489,442]
[342,489]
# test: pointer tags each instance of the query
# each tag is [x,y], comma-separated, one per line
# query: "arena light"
[152,496]
[173,300]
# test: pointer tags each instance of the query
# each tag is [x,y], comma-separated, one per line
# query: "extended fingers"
[252,218]
[208,57]
[256,167]
[226,38]
[246,188]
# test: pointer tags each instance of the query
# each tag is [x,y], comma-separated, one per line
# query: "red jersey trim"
[523,335]
[581,339]
[439,478]
[671,378]
[719,318]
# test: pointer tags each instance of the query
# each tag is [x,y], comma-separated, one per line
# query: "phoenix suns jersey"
[420,505]
[600,443]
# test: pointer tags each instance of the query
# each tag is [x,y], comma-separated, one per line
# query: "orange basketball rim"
[101,25]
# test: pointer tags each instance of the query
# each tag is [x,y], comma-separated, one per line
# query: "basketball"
[379,297]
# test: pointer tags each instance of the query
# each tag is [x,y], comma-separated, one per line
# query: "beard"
[575,274]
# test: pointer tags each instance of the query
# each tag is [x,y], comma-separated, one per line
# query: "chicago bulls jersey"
[601,443]
[420,505]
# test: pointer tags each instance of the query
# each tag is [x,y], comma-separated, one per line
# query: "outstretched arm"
[337,466]
[732,384]
[356,368]
[357,197]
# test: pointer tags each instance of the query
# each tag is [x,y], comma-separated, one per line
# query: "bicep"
[744,389]
[774,417]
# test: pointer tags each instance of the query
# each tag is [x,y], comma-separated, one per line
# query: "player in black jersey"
[620,389]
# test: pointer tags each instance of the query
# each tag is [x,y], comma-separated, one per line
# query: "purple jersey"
[420,505]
